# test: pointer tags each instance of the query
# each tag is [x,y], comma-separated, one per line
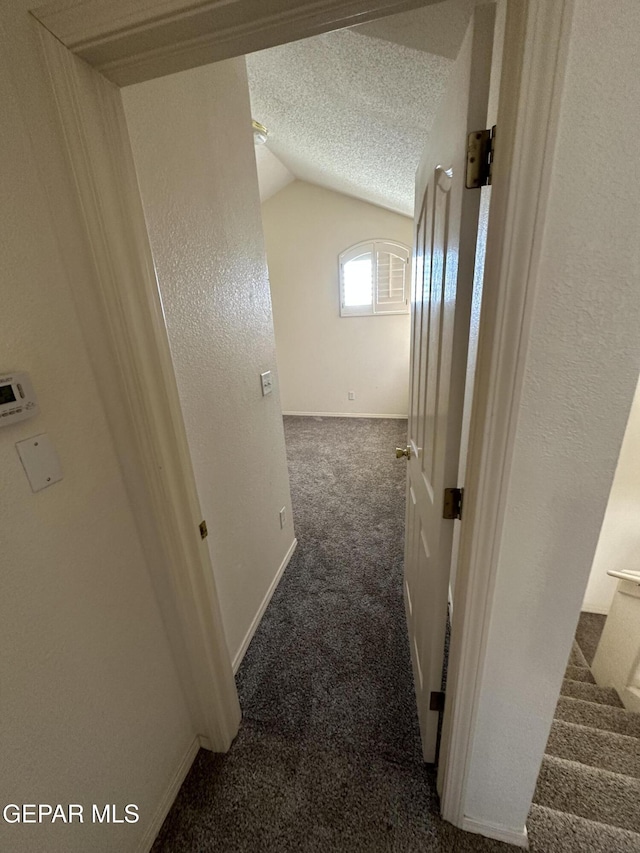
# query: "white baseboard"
[152,830]
[517,837]
[344,415]
[237,660]
[586,608]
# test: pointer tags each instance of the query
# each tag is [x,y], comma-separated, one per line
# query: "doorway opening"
[91,178]
[330,667]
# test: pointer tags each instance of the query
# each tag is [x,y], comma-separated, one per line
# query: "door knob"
[403,451]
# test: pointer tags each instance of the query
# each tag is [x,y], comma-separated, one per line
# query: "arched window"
[374,279]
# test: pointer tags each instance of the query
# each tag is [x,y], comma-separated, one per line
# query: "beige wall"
[619,543]
[323,356]
[618,657]
[193,147]
[91,708]
[617,660]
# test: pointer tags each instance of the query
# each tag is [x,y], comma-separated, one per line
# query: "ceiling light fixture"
[260,133]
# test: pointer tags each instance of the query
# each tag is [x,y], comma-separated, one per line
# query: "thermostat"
[17,398]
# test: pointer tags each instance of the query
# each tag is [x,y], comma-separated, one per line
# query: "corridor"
[328,755]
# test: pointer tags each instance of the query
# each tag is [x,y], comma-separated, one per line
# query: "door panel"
[446,226]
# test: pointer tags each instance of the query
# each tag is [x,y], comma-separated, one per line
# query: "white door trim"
[534,61]
[134,40]
[535,57]
[155,453]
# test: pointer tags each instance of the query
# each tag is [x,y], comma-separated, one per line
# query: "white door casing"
[121,310]
[129,41]
[147,422]
[536,48]
[445,243]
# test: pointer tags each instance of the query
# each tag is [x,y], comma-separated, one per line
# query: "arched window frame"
[378,306]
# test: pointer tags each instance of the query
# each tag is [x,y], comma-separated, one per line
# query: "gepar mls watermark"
[70,813]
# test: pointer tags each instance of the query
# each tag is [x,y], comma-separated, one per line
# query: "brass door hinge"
[452,506]
[436,701]
[203,530]
[480,155]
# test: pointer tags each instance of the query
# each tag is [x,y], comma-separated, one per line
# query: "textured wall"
[619,543]
[322,356]
[193,147]
[581,372]
[90,703]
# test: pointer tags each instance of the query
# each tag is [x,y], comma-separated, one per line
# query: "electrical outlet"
[352,395]
[283,517]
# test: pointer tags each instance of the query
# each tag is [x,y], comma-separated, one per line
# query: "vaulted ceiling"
[350,110]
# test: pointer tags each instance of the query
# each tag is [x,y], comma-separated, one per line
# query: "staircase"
[587,799]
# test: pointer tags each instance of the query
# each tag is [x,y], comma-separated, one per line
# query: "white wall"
[193,148]
[617,660]
[619,543]
[581,373]
[322,356]
[91,706]
[273,175]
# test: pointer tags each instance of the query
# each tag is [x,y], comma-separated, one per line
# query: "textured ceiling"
[350,110]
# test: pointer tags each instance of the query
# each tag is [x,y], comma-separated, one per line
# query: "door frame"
[147,421]
[127,302]
[534,63]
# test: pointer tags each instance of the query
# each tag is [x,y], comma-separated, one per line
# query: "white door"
[446,224]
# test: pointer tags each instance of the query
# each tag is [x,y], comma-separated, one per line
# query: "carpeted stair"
[590,693]
[588,794]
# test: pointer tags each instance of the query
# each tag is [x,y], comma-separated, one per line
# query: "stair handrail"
[625,575]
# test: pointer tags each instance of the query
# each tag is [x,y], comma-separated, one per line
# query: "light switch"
[40,461]
[265,379]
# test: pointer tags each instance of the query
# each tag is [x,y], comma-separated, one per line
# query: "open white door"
[446,224]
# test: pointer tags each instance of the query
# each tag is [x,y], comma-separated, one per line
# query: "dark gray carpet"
[330,661]
[576,658]
[590,692]
[586,797]
[568,833]
[589,792]
[596,716]
[328,755]
[595,747]
[588,633]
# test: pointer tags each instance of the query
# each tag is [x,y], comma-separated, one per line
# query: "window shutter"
[374,279]
[391,278]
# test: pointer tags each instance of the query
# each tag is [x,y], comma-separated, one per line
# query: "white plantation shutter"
[387,270]
[391,278]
